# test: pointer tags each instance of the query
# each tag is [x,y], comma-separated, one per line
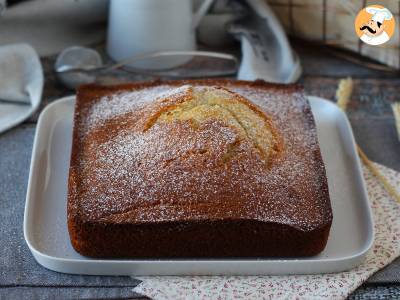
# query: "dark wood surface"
[371,119]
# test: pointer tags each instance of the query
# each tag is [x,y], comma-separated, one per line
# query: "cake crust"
[157,173]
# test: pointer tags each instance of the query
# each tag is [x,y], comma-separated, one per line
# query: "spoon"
[79,65]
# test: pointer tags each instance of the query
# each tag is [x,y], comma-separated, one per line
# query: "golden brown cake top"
[179,152]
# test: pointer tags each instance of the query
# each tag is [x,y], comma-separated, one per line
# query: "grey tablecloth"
[18,267]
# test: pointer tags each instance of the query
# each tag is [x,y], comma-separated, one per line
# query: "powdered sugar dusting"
[177,172]
[118,104]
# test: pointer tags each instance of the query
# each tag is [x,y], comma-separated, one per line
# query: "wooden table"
[370,116]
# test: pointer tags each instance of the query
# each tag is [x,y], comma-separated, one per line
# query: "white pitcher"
[142,26]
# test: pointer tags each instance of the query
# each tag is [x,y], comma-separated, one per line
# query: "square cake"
[196,169]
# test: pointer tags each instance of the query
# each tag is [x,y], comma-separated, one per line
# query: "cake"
[196,169]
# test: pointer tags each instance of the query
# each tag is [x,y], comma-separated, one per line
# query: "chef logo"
[375,25]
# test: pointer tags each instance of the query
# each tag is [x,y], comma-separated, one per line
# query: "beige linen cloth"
[331,22]
[21,84]
[311,287]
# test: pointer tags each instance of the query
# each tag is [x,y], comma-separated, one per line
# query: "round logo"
[375,25]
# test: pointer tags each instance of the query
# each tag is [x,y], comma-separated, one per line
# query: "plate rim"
[46,260]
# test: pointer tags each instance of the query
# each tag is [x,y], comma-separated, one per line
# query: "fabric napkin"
[21,84]
[325,286]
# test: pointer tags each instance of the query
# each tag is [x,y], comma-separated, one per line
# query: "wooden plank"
[371,96]
[320,61]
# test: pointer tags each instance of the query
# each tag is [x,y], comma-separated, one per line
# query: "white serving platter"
[45,223]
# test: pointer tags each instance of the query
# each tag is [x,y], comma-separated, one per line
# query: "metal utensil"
[87,65]
[77,58]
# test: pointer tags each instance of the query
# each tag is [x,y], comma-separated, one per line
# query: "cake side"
[197,188]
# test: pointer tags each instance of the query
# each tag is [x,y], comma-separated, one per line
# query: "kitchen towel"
[21,84]
[325,286]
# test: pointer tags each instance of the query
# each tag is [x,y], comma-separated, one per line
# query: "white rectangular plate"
[45,221]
